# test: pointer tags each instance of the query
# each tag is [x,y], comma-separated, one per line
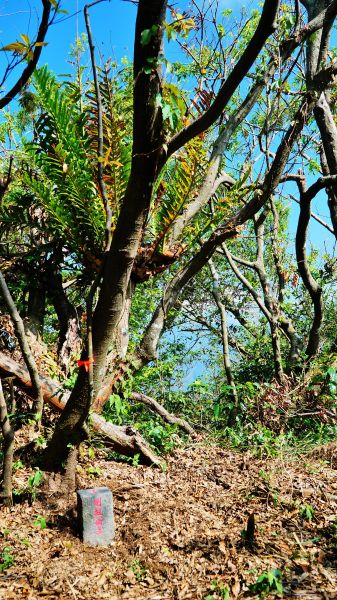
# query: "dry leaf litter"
[178,531]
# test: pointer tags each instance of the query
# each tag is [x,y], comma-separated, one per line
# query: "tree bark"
[162,412]
[25,349]
[314,289]
[69,340]
[124,440]
[8,450]
[36,308]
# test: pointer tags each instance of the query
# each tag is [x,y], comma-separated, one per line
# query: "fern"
[116,95]
[60,172]
[181,178]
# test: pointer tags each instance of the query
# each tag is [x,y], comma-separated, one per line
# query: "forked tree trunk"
[147,151]
[124,440]
[149,154]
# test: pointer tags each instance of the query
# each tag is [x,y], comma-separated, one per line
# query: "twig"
[100,135]
[25,349]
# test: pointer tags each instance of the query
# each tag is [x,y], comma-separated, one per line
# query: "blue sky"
[112,25]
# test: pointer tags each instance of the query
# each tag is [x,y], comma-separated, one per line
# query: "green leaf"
[147,35]
[40,521]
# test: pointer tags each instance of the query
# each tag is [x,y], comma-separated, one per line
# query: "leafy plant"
[17,464]
[271,581]
[221,591]
[7,559]
[307,512]
[34,482]
[93,471]
[40,522]
[117,409]
[160,436]
[138,569]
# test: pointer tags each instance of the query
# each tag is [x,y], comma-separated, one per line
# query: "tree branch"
[28,71]
[162,412]
[265,28]
[25,349]
[315,291]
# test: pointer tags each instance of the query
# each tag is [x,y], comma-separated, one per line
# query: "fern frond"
[179,182]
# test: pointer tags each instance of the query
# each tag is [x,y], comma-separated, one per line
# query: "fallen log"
[162,412]
[124,440]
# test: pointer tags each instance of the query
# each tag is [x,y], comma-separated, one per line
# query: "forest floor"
[179,531]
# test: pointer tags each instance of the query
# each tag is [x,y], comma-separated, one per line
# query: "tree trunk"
[8,451]
[36,308]
[69,341]
[146,153]
[314,289]
[124,440]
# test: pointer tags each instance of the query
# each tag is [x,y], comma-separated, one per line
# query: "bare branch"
[162,412]
[25,349]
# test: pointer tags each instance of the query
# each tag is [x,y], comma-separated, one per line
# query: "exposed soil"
[178,531]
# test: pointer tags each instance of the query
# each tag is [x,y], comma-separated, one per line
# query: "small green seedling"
[40,522]
[220,591]
[94,472]
[25,541]
[41,441]
[33,482]
[138,569]
[17,464]
[268,582]
[7,559]
[307,512]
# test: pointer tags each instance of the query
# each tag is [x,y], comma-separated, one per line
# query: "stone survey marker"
[95,516]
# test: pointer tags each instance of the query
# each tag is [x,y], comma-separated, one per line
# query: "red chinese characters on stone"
[98,515]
